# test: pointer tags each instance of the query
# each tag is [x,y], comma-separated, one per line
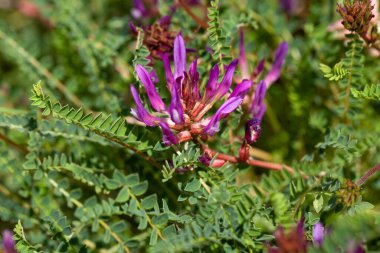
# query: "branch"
[12,143]
[191,14]
[41,69]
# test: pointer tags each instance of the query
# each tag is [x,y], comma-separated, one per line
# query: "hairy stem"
[258,163]
[367,175]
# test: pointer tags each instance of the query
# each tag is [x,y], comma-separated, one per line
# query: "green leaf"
[160,219]
[132,179]
[149,202]
[193,186]
[119,226]
[140,188]
[153,237]
[318,203]
[123,195]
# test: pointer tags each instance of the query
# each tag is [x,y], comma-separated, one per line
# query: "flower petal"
[153,76]
[133,28]
[153,95]
[242,57]
[258,107]
[274,73]
[318,233]
[8,242]
[168,137]
[175,109]
[212,83]
[259,68]
[225,84]
[168,71]
[138,9]
[165,21]
[141,113]
[194,79]
[227,107]
[241,89]
[179,56]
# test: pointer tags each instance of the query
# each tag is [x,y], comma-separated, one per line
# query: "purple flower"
[146,80]
[356,249]
[139,10]
[279,59]
[288,6]
[229,106]
[233,102]
[258,107]
[256,101]
[243,57]
[274,72]
[168,137]
[318,233]
[141,113]
[8,242]
[187,105]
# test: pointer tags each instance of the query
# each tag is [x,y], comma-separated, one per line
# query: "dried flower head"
[357,15]
[349,193]
[158,38]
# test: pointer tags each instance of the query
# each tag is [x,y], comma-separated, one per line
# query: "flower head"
[8,243]
[293,242]
[188,107]
[356,15]
[158,38]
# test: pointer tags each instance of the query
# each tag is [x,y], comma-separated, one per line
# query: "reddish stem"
[369,173]
[258,163]
[371,42]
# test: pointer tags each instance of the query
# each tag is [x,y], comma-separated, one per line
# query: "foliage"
[79,173]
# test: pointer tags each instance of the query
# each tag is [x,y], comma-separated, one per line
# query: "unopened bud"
[244,152]
[252,131]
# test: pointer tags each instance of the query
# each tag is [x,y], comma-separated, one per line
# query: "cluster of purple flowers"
[186,113]
[188,106]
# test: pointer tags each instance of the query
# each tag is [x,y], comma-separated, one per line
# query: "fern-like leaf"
[333,74]
[370,92]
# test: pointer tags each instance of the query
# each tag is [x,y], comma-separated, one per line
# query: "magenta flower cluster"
[188,106]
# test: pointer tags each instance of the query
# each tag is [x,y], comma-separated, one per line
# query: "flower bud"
[244,152]
[252,131]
